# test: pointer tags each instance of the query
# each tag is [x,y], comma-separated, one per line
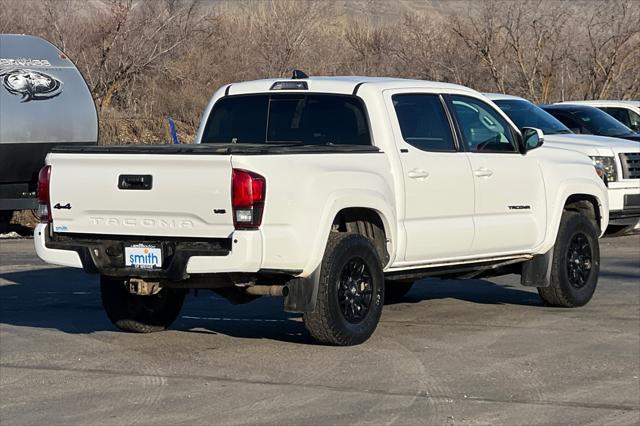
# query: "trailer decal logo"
[24,62]
[31,85]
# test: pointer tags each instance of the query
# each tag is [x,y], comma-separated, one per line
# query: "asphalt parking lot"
[453,352]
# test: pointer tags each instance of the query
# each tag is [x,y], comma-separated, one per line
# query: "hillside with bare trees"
[146,60]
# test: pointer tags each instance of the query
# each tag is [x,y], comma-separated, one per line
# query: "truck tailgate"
[142,194]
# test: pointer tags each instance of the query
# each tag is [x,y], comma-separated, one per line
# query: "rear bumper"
[242,252]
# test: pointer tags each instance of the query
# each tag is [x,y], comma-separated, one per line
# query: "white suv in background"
[626,112]
[618,159]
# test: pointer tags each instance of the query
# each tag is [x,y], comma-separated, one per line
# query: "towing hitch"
[141,287]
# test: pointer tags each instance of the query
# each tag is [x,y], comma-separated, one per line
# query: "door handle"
[418,174]
[135,182]
[482,172]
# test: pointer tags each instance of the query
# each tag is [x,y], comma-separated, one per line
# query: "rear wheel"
[576,263]
[394,291]
[350,293]
[140,314]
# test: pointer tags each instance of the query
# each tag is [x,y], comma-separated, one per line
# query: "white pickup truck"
[617,159]
[333,192]
[626,112]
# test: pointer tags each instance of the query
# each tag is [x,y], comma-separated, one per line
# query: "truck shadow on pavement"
[476,291]
[69,300]
[620,269]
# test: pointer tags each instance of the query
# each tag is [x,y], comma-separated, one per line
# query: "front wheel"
[139,314]
[350,292]
[576,263]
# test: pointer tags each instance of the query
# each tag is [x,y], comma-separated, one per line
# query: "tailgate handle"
[137,182]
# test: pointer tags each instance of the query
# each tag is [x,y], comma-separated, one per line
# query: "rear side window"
[423,122]
[625,116]
[619,114]
[568,121]
[634,121]
[306,119]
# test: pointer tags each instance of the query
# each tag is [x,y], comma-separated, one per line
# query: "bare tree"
[147,59]
[534,33]
[132,38]
[281,31]
[426,50]
[613,46]
[481,33]
[373,48]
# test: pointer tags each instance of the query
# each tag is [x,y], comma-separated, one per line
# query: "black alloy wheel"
[579,260]
[575,263]
[355,290]
[350,291]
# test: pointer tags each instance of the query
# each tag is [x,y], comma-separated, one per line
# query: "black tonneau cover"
[217,149]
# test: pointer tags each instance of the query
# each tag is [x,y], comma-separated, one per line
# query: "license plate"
[143,256]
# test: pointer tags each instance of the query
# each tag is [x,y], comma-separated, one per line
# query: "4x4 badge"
[58,206]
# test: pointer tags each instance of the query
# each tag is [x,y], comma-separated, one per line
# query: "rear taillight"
[248,192]
[44,199]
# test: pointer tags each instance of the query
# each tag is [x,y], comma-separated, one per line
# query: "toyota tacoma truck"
[618,160]
[334,193]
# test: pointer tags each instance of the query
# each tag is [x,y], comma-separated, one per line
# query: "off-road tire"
[561,292]
[140,314]
[394,291]
[328,324]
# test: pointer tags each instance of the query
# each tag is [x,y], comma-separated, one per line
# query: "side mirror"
[532,138]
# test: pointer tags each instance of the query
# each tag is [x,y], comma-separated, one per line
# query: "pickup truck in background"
[44,102]
[336,193]
[589,120]
[626,112]
[618,160]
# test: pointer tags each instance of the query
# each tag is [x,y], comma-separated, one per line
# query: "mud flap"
[302,293]
[537,271]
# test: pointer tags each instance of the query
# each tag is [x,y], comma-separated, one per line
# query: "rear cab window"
[304,119]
